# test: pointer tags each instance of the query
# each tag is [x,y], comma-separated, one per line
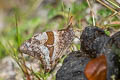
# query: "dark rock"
[93,40]
[114,43]
[98,44]
[73,67]
[113,66]
[112,52]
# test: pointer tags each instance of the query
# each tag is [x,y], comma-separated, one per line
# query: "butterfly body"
[49,46]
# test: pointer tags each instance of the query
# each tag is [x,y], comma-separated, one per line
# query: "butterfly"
[96,69]
[49,46]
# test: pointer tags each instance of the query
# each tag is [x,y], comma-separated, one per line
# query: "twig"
[113,10]
[93,17]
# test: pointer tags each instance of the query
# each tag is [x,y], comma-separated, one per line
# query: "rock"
[98,44]
[113,66]
[93,40]
[112,52]
[114,43]
[94,43]
[7,69]
[73,67]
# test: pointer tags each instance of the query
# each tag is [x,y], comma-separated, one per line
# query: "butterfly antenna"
[63,9]
[68,16]
[70,22]
[92,13]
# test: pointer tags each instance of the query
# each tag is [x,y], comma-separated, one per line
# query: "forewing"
[48,46]
[35,47]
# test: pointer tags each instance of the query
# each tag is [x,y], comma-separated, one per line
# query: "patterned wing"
[49,46]
[62,41]
[36,47]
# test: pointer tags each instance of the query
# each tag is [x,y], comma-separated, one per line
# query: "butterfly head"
[24,47]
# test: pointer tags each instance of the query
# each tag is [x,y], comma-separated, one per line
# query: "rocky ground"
[89,63]
[92,41]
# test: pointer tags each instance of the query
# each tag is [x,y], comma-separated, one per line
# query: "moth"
[49,46]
